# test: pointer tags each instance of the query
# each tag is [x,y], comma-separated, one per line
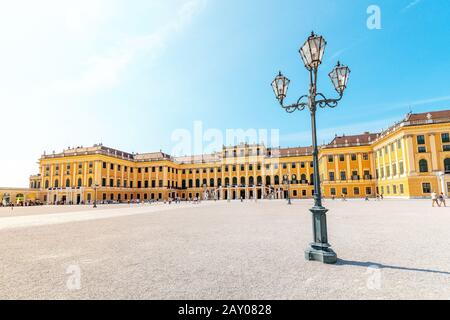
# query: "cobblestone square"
[391,249]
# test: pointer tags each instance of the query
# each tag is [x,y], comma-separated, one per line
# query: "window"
[394,189]
[356,191]
[394,169]
[103,182]
[426,187]
[250,167]
[343,176]
[341,157]
[111,182]
[392,147]
[401,189]
[446,147]
[331,174]
[353,157]
[160,183]
[388,189]
[293,165]
[401,167]
[445,138]
[139,170]
[367,175]
[284,166]
[423,165]
[344,191]
[447,165]
[330,158]
[355,175]
[421,139]
[422,149]
[111,166]
[368,191]
[365,156]
[333,191]
[388,171]
[104,166]
[302,164]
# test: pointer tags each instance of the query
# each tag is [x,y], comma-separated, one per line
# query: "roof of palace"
[432,115]
[366,138]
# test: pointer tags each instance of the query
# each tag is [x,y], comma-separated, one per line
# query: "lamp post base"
[321,252]
[320,249]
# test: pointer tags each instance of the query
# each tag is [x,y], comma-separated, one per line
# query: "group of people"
[438,199]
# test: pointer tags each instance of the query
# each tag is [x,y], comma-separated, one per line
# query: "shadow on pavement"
[341,262]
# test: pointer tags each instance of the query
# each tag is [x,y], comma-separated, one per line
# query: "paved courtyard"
[217,250]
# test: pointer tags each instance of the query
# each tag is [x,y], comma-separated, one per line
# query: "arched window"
[259,181]
[90,183]
[204,182]
[242,181]
[197,183]
[79,182]
[67,183]
[268,180]
[234,181]
[447,165]
[277,180]
[303,178]
[46,184]
[219,182]
[423,165]
[294,179]
[56,184]
[191,184]
[227,182]
[183,184]
[251,181]
[211,182]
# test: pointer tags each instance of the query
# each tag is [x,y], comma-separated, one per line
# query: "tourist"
[434,199]
[442,199]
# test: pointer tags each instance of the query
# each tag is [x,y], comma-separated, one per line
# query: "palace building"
[409,160]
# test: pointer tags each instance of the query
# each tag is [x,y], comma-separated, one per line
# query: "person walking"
[442,200]
[434,199]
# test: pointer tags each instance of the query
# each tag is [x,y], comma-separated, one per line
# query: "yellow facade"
[411,159]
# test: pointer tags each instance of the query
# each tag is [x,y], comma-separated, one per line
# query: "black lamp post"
[287,182]
[95,186]
[312,53]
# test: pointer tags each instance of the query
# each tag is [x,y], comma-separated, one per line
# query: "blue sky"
[130,73]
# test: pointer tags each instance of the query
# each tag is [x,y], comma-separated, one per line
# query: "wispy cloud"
[106,70]
[411,5]
[326,134]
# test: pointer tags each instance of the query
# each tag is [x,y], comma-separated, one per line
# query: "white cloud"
[106,70]
[411,4]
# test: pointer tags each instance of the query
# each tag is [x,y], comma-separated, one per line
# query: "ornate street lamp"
[287,182]
[95,186]
[312,53]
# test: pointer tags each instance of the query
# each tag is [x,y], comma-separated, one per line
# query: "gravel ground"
[388,250]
